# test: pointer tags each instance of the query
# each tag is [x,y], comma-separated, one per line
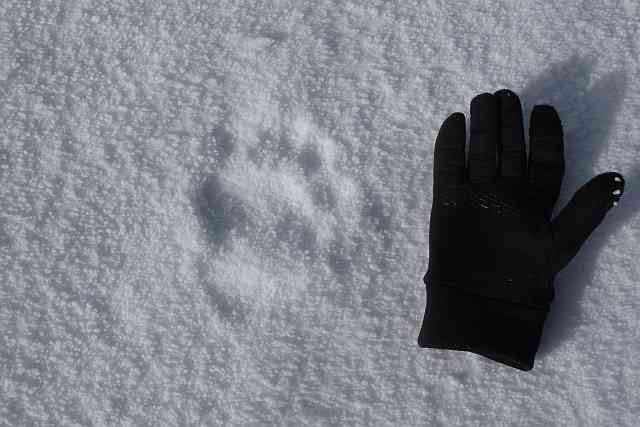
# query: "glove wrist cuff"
[500,330]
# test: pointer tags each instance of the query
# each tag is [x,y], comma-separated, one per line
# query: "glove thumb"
[586,210]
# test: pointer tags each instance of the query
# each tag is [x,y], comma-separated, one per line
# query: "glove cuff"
[500,330]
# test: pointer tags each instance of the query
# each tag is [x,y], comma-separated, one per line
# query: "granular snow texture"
[215,212]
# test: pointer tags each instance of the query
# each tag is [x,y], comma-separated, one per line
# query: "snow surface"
[215,212]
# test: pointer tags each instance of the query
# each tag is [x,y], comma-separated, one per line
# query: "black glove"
[493,248]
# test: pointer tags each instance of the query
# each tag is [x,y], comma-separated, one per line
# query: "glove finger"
[584,212]
[546,157]
[449,164]
[484,137]
[511,146]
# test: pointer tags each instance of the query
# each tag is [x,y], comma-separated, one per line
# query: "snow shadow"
[588,109]
[221,212]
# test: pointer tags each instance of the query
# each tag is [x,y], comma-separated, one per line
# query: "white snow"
[215,212]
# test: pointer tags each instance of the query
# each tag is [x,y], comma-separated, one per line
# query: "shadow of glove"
[494,249]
